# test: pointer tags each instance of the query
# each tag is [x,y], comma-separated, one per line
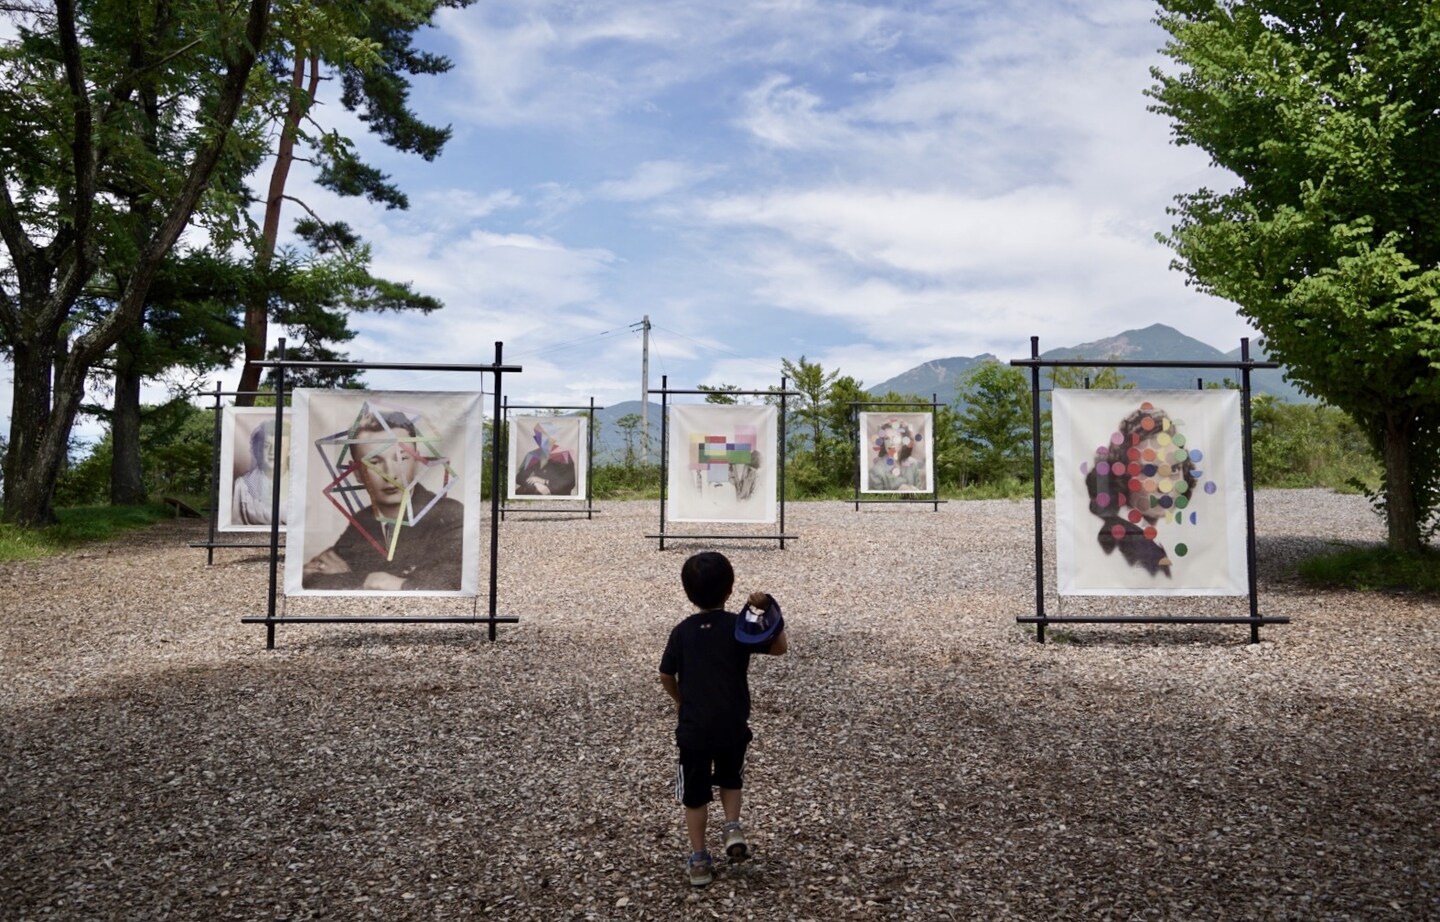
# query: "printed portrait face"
[895,455]
[1148,492]
[386,493]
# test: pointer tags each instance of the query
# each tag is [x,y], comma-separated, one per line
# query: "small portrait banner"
[722,464]
[895,453]
[250,456]
[548,458]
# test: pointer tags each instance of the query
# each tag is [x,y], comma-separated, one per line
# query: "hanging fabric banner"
[722,463]
[1149,493]
[380,498]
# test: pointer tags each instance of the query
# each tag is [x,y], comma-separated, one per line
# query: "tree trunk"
[257,302]
[127,483]
[1402,518]
[27,497]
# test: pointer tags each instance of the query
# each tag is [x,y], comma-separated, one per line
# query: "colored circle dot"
[1210,486]
[1101,467]
[1179,439]
[1135,485]
[1132,454]
[1166,485]
[1147,405]
[1117,438]
[1163,439]
[1147,423]
[1166,502]
[1117,531]
[1148,454]
[1181,550]
[1102,500]
[1135,516]
[1150,532]
[1181,486]
[1181,502]
[1197,455]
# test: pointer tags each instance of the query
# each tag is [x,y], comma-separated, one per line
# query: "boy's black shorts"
[702,769]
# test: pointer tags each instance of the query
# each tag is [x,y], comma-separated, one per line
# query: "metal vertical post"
[664,450]
[275,500]
[495,492]
[1249,468]
[590,462]
[784,433]
[1037,471]
[214,482]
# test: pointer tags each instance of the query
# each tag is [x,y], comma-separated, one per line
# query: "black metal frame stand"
[783,394]
[270,619]
[512,506]
[916,498]
[210,544]
[1040,619]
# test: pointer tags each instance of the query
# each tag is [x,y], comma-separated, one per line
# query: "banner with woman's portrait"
[250,459]
[1149,493]
[722,463]
[386,489]
[548,457]
[895,453]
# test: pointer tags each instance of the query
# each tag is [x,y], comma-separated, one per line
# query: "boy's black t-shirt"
[713,669]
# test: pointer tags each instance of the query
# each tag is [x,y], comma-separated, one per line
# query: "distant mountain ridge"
[1155,343]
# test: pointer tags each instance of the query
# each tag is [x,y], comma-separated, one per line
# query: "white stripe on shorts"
[680,782]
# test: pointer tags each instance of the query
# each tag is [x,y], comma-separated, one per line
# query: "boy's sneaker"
[700,868]
[735,845]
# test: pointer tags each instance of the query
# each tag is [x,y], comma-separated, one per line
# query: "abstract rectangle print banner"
[548,457]
[386,493]
[722,464]
[1149,493]
[895,453]
[249,460]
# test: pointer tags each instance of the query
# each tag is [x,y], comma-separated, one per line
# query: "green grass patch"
[1377,569]
[77,526]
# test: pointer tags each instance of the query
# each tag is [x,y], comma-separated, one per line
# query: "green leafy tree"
[1079,376]
[995,427]
[720,393]
[369,46]
[629,426]
[1329,240]
[100,97]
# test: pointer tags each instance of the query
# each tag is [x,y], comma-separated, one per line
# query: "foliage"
[120,125]
[1303,445]
[1330,239]
[77,526]
[369,46]
[1374,569]
[995,428]
[724,394]
[177,456]
[621,481]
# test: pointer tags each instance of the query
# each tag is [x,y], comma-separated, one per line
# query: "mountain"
[938,377]
[1155,343]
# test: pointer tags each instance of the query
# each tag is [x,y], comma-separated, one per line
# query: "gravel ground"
[917,755]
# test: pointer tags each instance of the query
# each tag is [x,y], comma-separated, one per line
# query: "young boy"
[704,668]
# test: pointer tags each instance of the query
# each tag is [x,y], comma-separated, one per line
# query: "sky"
[868,185]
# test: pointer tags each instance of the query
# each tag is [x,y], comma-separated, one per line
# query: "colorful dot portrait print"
[722,463]
[895,453]
[1149,493]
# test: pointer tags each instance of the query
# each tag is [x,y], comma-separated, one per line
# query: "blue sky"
[868,185]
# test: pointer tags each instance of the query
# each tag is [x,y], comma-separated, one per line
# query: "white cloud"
[655,179]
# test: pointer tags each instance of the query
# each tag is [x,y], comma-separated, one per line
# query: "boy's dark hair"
[708,579]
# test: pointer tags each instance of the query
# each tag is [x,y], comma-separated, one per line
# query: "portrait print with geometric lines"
[383,493]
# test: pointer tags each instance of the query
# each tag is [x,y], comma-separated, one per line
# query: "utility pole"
[644,326]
